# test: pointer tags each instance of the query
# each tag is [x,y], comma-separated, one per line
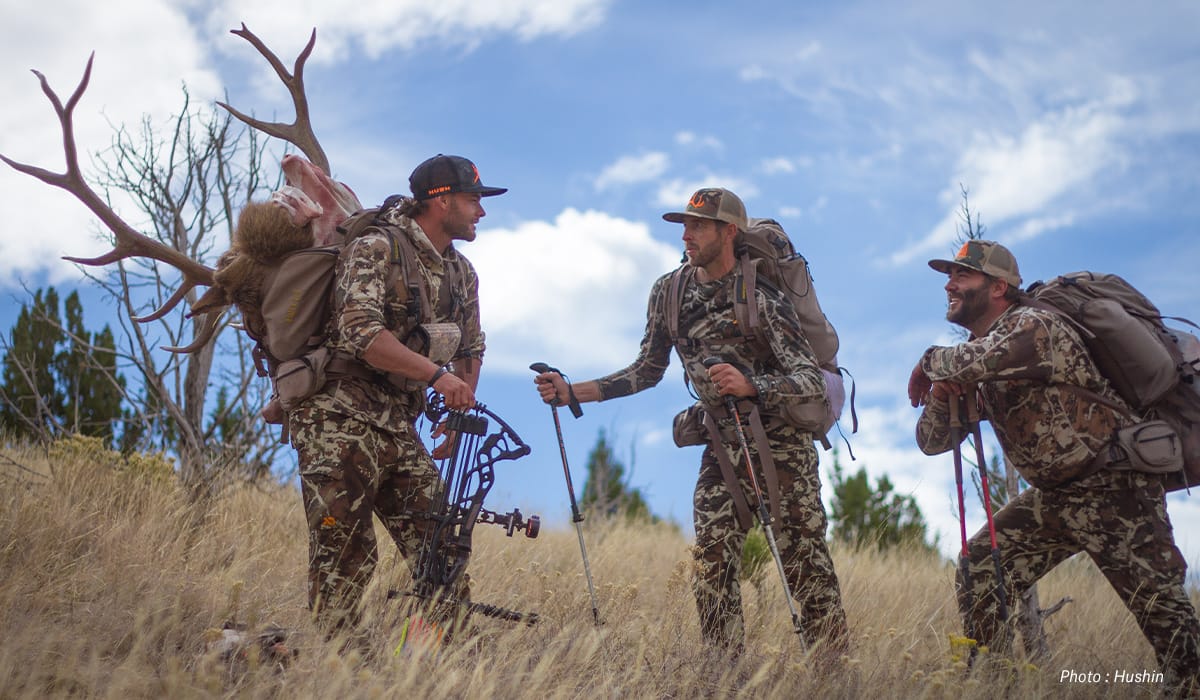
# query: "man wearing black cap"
[762,374]
[358,448]
[1028,364]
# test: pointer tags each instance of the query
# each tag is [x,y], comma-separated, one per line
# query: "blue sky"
[1075,126]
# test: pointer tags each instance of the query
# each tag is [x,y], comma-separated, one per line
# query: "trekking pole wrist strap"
[572,402]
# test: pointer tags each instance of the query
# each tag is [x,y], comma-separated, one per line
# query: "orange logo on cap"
[963,251]
[699,200]
[476,172]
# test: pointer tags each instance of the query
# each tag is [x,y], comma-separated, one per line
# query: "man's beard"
[705,254]
[972,305]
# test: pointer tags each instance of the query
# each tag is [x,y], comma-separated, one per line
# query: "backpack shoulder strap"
[675,287]
[745,307]
[406,277]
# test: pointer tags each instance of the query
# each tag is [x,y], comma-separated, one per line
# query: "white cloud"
[752,73]
[571,291]
[377,26]
[1029,177]
[691,138]
[777,165]
[628,170]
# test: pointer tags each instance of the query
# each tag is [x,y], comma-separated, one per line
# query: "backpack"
[771,255]
[288,312]
[1152,367]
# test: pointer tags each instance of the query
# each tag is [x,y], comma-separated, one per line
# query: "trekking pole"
[576,515]
[764,513]
[964,560]
[981,465]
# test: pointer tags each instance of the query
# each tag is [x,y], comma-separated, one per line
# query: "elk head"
[336,200]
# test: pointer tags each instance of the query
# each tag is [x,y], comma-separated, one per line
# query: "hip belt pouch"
[299,378]
[1152,446]
[688,428]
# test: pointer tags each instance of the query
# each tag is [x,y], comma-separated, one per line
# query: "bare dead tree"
[970,228]
[188,185]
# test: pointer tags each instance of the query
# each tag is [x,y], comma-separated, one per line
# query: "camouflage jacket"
[782,368]
[367,301]
[1050,434]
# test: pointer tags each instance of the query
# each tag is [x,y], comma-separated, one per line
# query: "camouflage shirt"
[369,299]
[1049,433]
[782,367]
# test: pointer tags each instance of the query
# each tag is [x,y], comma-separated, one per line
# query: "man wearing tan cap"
[1026,363]
[764,375]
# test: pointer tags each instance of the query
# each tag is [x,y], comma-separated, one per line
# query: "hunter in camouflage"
[1021,358]
[358,447]
[771,373]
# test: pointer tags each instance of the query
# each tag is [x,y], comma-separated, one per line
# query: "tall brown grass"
[111,580]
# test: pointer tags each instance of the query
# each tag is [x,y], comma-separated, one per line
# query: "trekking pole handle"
[971,400]
[572,402]
[956,410]
[730,403]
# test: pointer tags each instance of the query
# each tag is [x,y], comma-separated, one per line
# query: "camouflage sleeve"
[799,379]
[360,291]
[653,356]
[1018,346]
[472,344]
[933,428]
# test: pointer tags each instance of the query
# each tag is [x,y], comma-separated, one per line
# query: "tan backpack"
[1152,366]
[288,317]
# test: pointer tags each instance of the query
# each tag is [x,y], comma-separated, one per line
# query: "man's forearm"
[586,391]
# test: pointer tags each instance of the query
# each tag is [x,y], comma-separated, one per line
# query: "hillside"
[112,582]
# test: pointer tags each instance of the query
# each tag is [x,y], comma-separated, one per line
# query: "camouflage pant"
[349,470]
[800,536]
[1120,519]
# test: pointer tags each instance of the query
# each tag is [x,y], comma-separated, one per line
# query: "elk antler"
[129,242]
[300,132]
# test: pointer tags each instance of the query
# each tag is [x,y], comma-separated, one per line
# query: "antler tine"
[212,322]
[300,132]
[171,303]
[129,242]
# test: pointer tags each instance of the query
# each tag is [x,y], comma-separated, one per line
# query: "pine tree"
[606,492]
[59,377]
[864,514]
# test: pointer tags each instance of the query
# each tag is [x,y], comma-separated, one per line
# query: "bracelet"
[438,375]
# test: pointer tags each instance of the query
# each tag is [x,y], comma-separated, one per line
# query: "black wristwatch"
[438,374]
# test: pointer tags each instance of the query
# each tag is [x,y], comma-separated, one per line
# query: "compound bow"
[467,475]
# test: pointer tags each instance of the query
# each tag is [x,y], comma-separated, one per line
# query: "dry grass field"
[112,583]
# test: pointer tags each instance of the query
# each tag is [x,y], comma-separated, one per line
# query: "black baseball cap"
[444,174]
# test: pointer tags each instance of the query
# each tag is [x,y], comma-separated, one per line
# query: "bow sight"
[467,476]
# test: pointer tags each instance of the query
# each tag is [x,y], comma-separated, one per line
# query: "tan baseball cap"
[988,257]
[714,203]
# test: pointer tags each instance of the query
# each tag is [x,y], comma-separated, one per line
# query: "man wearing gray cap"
[763,374]
[359,453]
[1027,363]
